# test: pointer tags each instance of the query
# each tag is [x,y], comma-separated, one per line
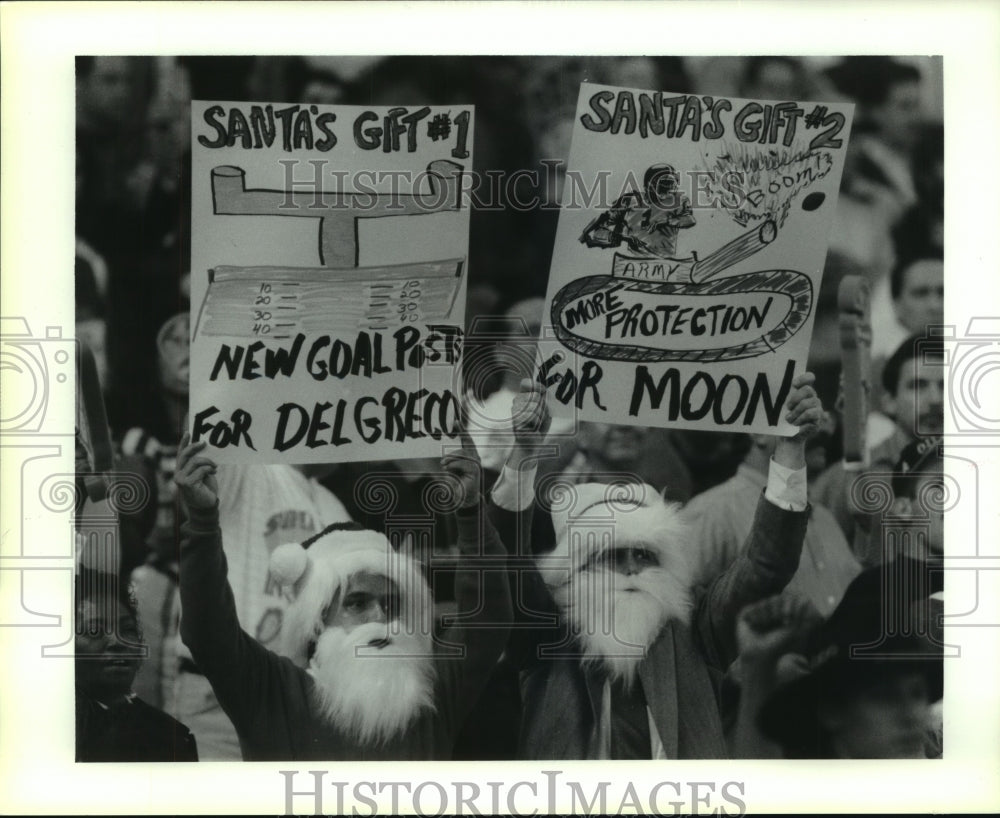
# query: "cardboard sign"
[688,257]
[328,277]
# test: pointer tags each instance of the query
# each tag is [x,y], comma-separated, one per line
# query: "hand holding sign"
[804,410]
[530,418]
[195,475]
[464,466]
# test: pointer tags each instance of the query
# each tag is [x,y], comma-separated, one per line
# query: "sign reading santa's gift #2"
[328,278]
[691,242]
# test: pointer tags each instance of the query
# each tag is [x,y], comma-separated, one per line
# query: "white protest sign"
[329,251]
[688,257]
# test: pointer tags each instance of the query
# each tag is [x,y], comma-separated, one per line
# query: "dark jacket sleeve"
[235,664]
[477,633]
[536,619]
[763,568]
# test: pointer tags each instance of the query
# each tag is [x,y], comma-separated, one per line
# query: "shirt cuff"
[514,490]
[786,488]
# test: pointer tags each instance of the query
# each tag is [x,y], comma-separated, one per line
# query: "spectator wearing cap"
[869,678]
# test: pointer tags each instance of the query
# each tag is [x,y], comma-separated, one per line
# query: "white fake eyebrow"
[624,500]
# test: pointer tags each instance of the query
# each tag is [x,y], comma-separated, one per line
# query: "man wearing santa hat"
[632,670]
[362,678]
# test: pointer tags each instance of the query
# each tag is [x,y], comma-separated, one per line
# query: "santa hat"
[591,518]
[319,568]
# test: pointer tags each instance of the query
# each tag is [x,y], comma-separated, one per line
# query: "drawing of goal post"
[253,301]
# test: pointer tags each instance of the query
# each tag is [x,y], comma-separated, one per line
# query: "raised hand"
[464,465]
[805,410]
[195,475]
[530,417]
[773,626]
[803,407]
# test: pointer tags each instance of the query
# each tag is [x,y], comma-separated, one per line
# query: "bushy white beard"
[618,617]
[372,694]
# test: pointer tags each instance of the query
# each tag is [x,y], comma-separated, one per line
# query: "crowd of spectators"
[132,299]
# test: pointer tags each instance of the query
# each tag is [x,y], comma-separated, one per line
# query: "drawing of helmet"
[660,184]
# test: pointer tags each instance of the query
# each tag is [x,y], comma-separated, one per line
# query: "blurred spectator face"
[619,447]
[106,650]
[106,90]
[634,72]
[776,79]
[888,719]
[921,300]
[918,405]
[898,118]
[322,91]
[93,332]
[173,344]
[169,134]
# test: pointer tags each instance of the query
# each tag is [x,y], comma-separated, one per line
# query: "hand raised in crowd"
[803,407]
[805,410]
[464,465]
[773,626]
[530,418]
[195,475]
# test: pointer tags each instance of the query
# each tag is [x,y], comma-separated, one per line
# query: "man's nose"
[628,564]
[377,612]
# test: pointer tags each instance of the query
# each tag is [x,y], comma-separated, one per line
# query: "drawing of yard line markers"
[339,295]
[278,302]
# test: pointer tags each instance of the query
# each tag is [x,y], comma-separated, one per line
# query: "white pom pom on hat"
[288,563]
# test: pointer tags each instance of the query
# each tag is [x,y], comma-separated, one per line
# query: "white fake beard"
[372,694]
[618,617]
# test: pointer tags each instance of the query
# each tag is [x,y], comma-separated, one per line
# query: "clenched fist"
[804,408]
[464,465]
[773,626]
[195,475]
[530,417]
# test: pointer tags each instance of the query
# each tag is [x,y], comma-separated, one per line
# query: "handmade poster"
[328,276]
[691,241]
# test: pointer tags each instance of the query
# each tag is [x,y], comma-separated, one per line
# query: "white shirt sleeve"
[786,488]
[515,490]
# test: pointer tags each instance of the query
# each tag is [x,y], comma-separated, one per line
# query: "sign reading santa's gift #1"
[328,270]
[688,257]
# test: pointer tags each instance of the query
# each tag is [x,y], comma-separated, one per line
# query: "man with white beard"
[633,669]
[363,679]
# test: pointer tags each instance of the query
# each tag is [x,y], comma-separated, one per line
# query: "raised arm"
[768,631]
[771,556]
[209,624]
[480,626]
[512,510]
